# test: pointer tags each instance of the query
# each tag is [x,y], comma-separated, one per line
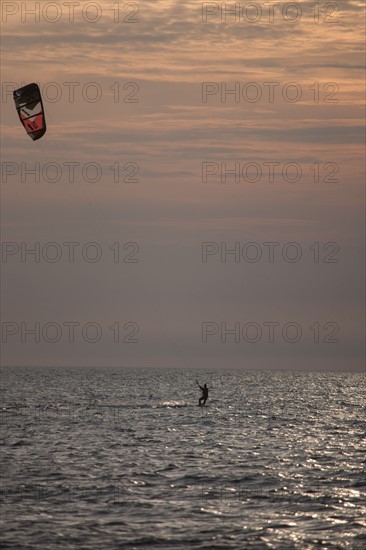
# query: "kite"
[28,103]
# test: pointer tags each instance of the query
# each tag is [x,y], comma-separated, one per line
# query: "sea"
[124,458]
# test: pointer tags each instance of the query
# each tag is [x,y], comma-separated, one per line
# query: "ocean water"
[125,459]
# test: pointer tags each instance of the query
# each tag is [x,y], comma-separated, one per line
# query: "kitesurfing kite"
[28,102]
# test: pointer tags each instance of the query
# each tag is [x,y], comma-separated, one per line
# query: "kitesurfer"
[204,395]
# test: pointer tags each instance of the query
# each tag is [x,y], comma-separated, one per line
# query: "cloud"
[168,134]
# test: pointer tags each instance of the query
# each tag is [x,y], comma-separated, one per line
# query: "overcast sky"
[149,106]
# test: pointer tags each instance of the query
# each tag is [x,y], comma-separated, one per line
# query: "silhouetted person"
[204,395]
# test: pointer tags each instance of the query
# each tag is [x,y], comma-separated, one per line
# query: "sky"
[198,197]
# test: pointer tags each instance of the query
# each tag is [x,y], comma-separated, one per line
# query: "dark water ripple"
[108,458]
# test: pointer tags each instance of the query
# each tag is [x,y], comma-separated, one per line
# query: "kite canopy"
[28,102]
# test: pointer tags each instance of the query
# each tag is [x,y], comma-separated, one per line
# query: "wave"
[173,404]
